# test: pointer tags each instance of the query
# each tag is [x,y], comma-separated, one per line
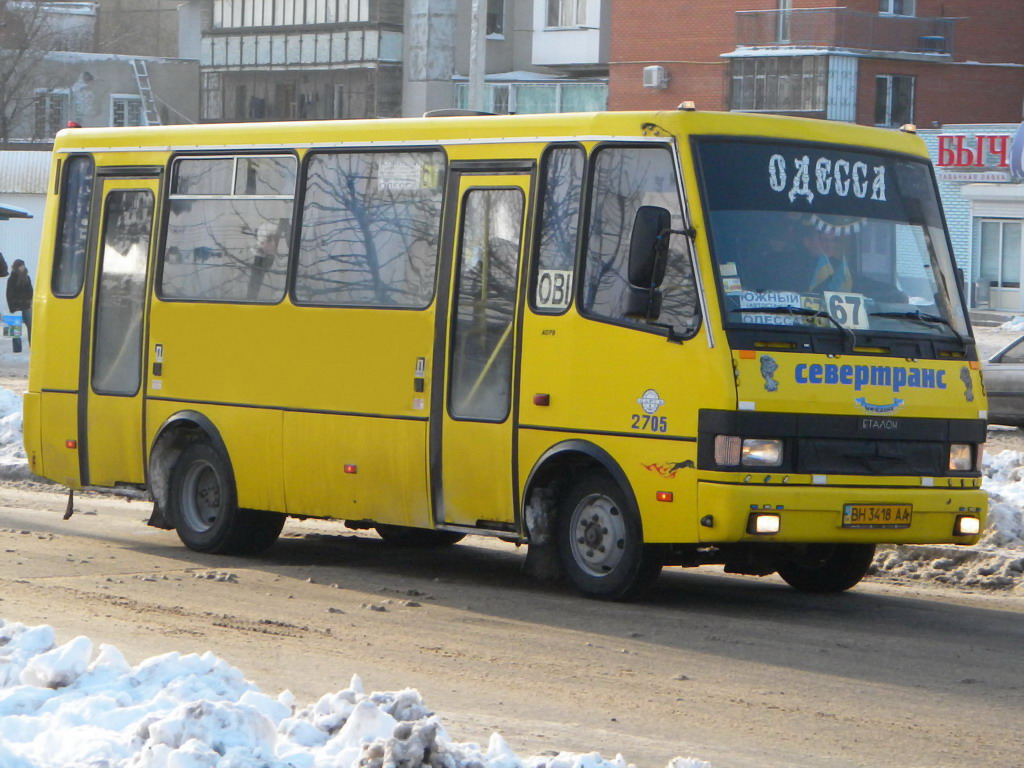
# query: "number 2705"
[642,421]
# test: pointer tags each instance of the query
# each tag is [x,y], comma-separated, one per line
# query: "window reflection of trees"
[232,243]
[485,303]
[563,186]
[370,229]
[624,179]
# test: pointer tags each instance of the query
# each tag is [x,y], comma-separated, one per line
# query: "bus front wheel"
[828,567]
[600,541]
[204,506]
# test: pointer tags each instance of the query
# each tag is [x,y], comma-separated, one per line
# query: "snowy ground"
[73,705]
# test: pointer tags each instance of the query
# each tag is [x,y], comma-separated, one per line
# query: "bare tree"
[29,32]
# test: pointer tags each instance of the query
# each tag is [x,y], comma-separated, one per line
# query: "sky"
[77,705]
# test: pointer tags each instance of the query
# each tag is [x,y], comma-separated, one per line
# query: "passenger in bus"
[19,297]
[831,270]
[782,266]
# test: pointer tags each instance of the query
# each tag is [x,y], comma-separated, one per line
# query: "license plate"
[877,515]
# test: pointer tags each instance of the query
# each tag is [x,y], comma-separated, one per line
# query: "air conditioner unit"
[655,77]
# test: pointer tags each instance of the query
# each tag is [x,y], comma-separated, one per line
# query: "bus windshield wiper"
[799,312]
[925,318]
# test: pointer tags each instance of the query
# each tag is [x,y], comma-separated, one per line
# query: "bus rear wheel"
[826,568]
[600,541]
[204,506]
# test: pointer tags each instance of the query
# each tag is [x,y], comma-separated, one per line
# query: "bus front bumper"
[814,514]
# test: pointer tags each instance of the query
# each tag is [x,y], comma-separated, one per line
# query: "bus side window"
[559,224]
[370,228]
[228,228]
[73,227]
[624,180]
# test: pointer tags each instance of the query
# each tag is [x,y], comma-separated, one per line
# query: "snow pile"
[59,707]
[13,462]
[1016,324]
[997,561]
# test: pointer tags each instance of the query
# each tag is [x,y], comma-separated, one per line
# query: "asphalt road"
[738,671]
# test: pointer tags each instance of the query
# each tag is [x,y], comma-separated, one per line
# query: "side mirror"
[648,246]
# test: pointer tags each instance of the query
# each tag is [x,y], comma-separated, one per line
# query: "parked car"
[1004,384]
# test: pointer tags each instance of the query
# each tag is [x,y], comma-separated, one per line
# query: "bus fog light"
[967,525]
[762,524]
[762,453]
[727,450]
[961,457]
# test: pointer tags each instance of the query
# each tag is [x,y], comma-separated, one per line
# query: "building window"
[496,18]
[126,111]
[997,252]
[782,25]
[212,96]
[897,7]
[894,100]
[51,112]
[779,84]
[567,13]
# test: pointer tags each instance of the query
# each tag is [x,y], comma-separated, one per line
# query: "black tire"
[601,543]
[826,568]
[204,506]
[406,536]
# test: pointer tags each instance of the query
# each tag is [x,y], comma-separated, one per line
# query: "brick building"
[874,62]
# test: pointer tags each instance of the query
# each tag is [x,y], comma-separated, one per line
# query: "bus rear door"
[472,429]
[112,376]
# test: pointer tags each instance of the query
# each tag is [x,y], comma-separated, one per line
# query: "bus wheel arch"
[173,437]
[192,479]
[570,479]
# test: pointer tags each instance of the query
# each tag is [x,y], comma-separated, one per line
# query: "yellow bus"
[628,340]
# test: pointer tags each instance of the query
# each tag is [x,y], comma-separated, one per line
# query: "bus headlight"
[731,451]
[961,457]
[758,452]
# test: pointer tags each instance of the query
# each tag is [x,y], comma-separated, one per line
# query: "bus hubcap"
[201,497]
[598,535]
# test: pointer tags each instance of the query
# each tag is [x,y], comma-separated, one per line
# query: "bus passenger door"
[472,430]
[111,376]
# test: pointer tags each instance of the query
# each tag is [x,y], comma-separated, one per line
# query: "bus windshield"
[828,239]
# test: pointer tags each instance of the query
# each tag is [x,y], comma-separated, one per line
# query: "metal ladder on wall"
[145,91]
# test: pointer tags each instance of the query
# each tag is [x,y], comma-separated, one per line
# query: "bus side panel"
[54,414]
[356,468]
[252,437]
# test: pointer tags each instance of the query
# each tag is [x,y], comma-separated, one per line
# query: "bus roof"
[590,126]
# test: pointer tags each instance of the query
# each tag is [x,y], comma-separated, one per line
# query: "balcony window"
[567,13]
[779,84]
[894,100]
[538,98]
[897,7]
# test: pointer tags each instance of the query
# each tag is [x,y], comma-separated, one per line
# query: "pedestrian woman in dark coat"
[19,294]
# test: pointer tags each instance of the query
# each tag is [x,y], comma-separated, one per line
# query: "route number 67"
[847,309]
